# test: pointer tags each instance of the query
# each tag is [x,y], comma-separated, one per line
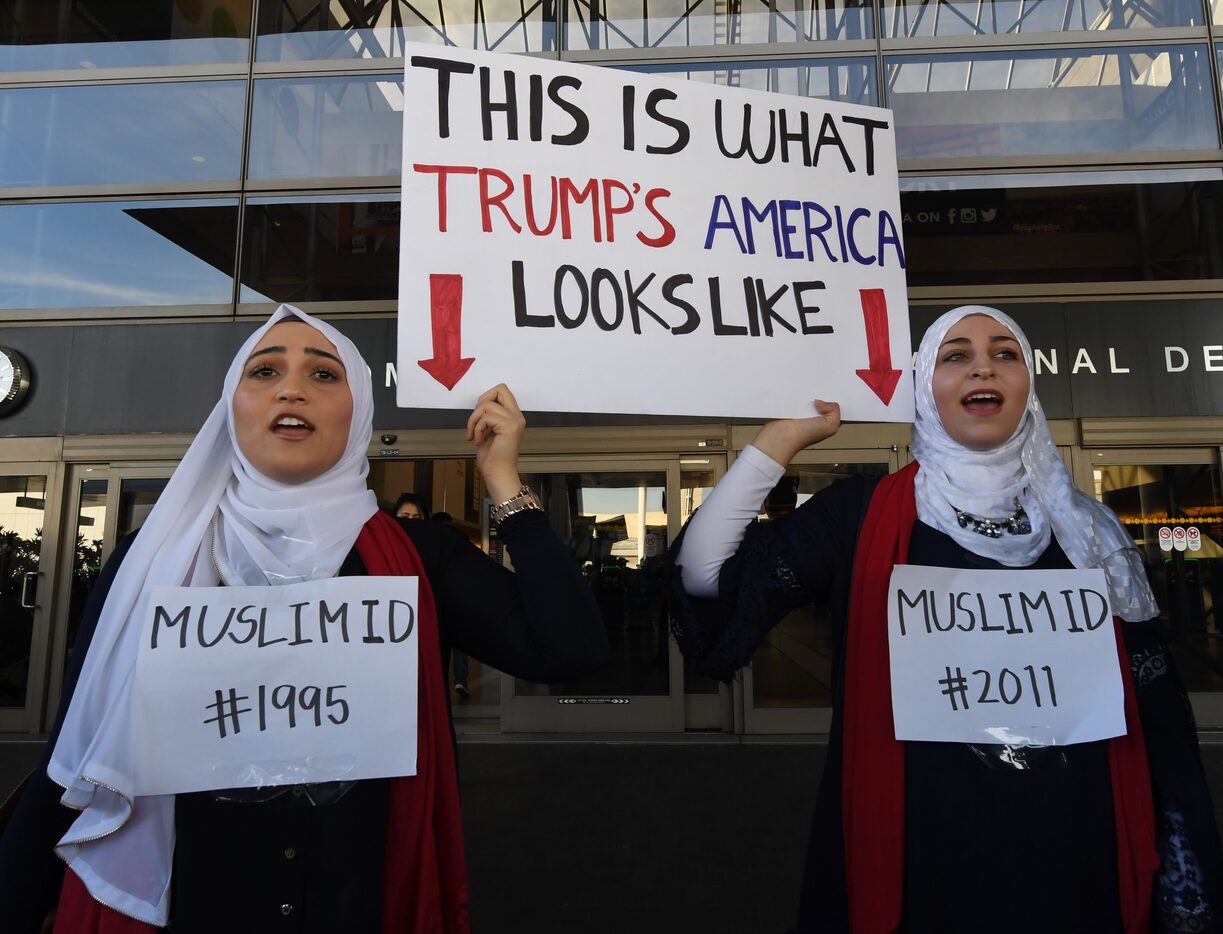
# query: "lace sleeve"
[1188,896]
[778,566]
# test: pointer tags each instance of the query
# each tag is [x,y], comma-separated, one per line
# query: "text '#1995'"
[1031,685]
[284,705]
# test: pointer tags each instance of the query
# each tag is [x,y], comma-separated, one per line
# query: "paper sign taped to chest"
[242,687]
[1024,658]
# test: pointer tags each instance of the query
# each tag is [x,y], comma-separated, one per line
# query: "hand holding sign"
[496,425]
[782,438]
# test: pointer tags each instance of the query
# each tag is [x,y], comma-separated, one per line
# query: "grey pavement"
[631,837]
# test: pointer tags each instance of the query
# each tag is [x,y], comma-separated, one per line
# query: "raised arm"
[718,527]
[541,621]
[757,573]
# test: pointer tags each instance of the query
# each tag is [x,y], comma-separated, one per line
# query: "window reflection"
[615,527]
[43,34]
[928,18]
[117,253]
[326,127]
[850,80]
[345,29]
[638,24]
[137,497]
[325,249]
[121,133]
[87,556]
[23,502]
[1074,227]
[1028,103]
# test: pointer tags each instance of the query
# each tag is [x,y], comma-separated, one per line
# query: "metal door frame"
[71,497]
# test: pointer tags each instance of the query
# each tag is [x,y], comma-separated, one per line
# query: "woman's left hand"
[496,426]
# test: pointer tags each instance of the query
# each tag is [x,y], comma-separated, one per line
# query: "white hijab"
[122,846]
[1026,468]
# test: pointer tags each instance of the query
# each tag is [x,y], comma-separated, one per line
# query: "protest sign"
[241,687]
[606,241]
[1026,658]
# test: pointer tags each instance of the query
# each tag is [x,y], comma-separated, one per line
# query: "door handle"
[29,590]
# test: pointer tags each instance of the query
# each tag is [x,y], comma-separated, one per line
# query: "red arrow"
[446,309]
[879,376]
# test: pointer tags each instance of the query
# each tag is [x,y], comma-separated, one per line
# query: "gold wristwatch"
[521,501]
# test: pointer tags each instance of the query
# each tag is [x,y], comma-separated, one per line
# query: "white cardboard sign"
[239,687]
[1193,538]
[1024,658]
[1165,538]
[607,241]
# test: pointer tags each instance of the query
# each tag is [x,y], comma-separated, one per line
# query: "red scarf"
[424,882]
[873,779]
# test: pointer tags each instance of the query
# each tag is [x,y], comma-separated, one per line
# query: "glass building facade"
[195,162]
[208,158]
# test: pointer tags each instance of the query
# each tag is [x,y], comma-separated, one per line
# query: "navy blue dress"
[997,839]
[308,859]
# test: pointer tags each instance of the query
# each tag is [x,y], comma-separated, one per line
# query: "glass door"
[103,505]
[29,516]
[788,686]
[1171,502]
[617,516]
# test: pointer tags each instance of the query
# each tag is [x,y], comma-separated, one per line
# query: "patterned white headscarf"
[122,846]
[1027,469]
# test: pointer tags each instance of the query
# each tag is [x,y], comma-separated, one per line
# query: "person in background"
[411,506]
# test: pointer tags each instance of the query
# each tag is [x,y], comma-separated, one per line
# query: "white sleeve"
[718,526]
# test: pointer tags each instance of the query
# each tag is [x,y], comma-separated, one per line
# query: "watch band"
[521,501]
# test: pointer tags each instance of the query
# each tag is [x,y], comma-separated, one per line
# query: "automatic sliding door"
[614,522]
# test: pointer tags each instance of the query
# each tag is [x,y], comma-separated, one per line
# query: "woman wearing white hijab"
[273,491]
[947,837]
